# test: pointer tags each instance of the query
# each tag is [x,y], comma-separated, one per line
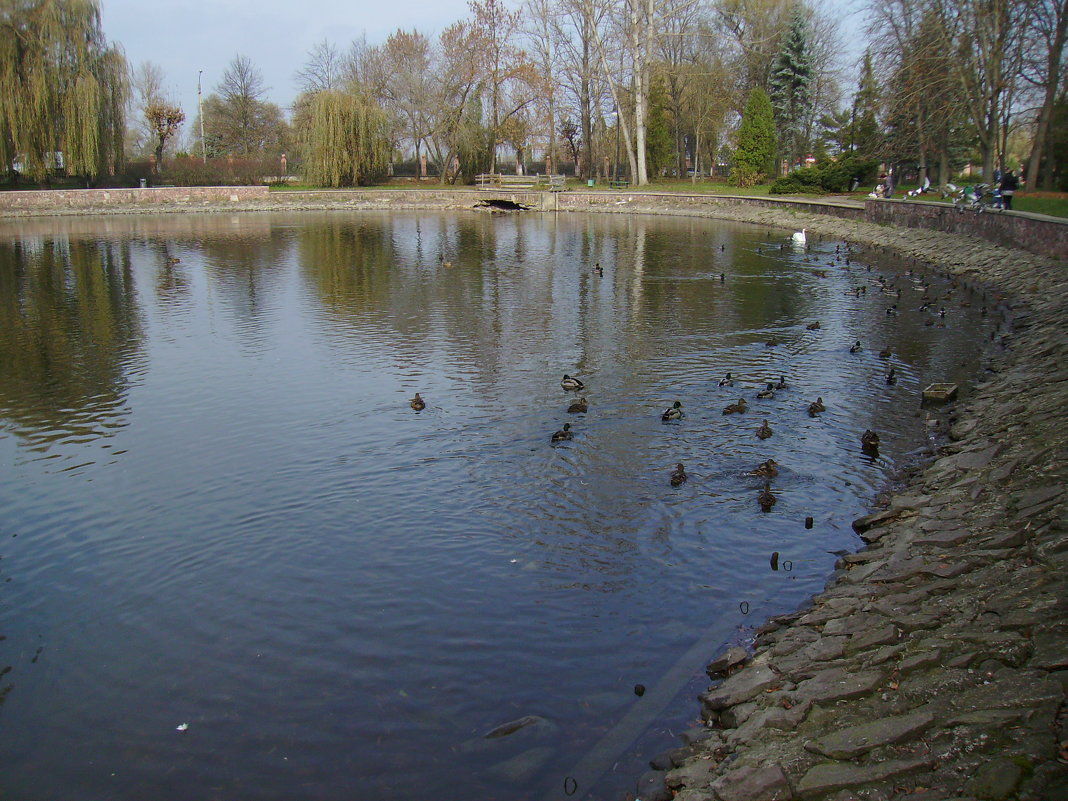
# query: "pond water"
[234,562]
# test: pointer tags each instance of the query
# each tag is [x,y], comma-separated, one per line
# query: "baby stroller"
[975,198]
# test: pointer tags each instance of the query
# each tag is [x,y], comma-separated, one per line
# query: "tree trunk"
[1053,76]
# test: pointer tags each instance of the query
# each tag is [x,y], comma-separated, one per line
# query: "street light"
[200,113]
[615,166]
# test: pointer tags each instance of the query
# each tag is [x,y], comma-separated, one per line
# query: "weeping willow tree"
[62,88]
[345,138]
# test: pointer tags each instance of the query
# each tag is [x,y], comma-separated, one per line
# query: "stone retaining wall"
[1037,233]
[43,201]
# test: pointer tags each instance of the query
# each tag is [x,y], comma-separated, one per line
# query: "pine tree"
[865,136]
[790,88]
[754,158]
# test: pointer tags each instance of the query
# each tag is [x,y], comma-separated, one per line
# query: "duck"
[799,237]
[563,434]
[885,353]
[782,382]
[679,476]
[673,412]
[891,378]
[771,343]
[891,310]
[765,498]
[418,403]
[578,407]
[727,381]
[813,326]
[869,441]
[766,469]
[764,431]
[855,347]
[597,268]
[816,407]
[567,382]
[174,261]
[767,392]
[740,407]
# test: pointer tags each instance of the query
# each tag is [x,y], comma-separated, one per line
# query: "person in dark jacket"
[1008,187]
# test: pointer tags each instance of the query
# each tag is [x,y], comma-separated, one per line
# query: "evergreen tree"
[790,88]
[865,136]
[659,143]
[754,157]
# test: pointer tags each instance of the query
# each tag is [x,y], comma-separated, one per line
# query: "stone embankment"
[935,664]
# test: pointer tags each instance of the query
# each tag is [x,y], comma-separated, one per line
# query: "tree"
[324,69]
[754,157]
[1051,26]
[345,141]
[146,85]
[62,88]
[789,87]
[237,119]
[659,142]
[864,136]
[165,120]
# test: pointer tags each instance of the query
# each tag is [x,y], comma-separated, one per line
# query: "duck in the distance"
[567,382]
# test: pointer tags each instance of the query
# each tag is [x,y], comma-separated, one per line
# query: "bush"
[192,171]
[826,176]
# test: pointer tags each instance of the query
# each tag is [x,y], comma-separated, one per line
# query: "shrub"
[826,176]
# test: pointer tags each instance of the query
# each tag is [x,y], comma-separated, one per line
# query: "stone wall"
[1046,236]
[44,200]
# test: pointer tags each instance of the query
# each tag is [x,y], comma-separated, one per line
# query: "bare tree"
[324,69]
[1050,28]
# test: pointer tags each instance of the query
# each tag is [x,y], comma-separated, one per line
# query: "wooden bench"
[618,183]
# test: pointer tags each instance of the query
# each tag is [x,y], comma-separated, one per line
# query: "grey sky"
[184,36]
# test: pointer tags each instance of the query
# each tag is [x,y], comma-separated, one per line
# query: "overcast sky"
[184,36]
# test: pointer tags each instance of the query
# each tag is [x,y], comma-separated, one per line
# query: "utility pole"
[200,113]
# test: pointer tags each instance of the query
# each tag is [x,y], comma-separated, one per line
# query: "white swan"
[799,237]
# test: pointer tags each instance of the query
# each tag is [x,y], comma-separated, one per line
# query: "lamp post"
[615,165]
[200,113]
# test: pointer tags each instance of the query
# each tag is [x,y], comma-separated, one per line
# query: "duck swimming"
[563,434]
[885,353]
[679,476]
[782,383]
[766,499]
[891,378]
[674,412]
[816,407]
[869,441]
[740,407]
[764,431]
[567,382]
[767,392]
[578,407]
[855,347]
[418,403]
[727,381]
[767,469]
[813,326]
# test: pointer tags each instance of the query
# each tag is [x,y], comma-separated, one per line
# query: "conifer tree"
[754,157]
[865,136]
[790,88]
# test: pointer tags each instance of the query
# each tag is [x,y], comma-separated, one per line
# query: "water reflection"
[340,595]
[70,335]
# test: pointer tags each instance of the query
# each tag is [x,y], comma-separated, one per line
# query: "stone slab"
[830,776]
[857,740]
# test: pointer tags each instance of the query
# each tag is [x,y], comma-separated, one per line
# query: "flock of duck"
[767,469]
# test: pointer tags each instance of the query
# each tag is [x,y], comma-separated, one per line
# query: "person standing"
[1008,187]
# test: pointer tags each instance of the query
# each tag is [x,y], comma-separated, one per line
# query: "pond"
[235,562]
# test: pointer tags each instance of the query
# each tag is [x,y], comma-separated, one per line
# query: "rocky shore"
[935,664]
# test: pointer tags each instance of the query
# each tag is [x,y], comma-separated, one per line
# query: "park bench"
[618,183]
[495,181]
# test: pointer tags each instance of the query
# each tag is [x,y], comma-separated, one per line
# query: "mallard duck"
[891,310]
[869,441]
[765,498]
[679,476]
[727,381]
[782,383]
[813,326]
[767,392]
[578,407]
[567,382]
[766,469]
[885,353]
[855,347]
[764,431]
[674,412]
[597,268]
[816,407]
[418,403]
[740,407]
[564,433]
[891,377]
